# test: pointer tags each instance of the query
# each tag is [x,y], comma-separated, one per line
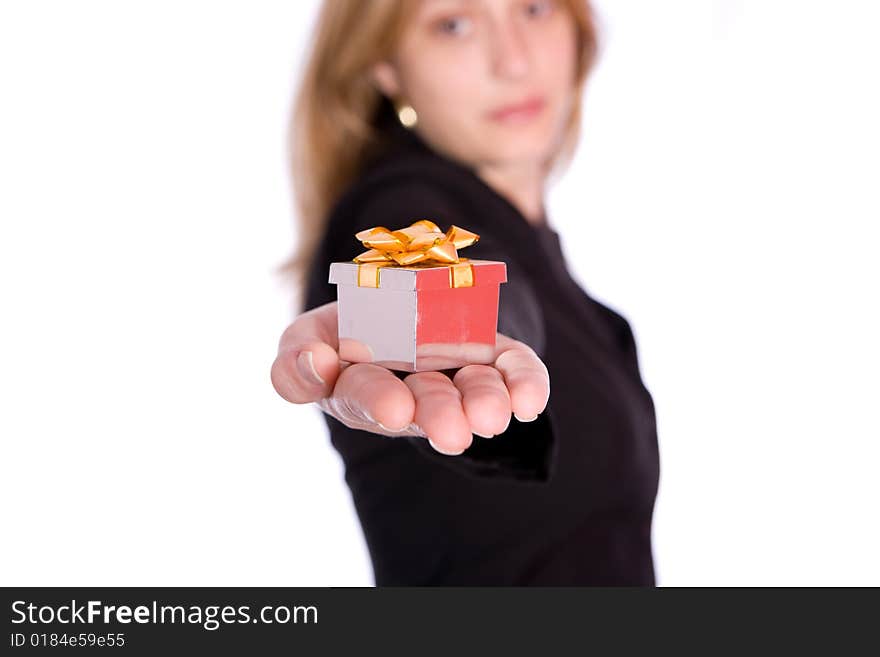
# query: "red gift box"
[421,315]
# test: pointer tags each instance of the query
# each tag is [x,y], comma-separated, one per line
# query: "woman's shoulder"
[417,183]
[394,191]
[400,188]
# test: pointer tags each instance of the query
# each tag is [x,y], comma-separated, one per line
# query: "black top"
[566,499]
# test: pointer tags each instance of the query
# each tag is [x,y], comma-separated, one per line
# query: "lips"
[518,111]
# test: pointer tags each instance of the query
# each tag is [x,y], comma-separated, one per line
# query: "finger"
[526,377]
[307,364]
[370,397]
[485,399]
[439,412]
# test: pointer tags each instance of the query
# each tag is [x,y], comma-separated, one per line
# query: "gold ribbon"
[421,244]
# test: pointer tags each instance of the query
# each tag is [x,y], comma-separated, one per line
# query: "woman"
[460,111]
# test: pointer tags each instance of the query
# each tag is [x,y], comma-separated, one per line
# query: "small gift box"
[411,303]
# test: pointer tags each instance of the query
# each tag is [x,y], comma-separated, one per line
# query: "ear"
[386,79]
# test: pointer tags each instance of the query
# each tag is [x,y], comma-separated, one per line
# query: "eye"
[454,25]
[539,8]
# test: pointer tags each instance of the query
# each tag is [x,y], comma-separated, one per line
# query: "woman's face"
[492,81]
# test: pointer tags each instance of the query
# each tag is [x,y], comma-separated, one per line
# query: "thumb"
[307,365]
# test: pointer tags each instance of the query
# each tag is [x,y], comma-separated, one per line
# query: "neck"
[521,184]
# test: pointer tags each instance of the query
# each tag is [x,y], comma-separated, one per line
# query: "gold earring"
[406,114]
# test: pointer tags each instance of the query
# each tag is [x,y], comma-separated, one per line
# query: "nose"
[510,54]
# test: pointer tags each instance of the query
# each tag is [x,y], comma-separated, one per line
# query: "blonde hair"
[331,131]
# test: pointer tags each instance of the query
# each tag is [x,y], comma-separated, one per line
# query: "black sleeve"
[525,451]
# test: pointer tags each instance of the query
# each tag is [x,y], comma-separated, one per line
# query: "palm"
[477,399]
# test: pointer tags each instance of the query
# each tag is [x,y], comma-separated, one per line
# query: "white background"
[725,199]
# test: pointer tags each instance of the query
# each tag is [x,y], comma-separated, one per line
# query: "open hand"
[478,399]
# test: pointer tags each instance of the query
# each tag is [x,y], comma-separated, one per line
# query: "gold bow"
[420,244]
